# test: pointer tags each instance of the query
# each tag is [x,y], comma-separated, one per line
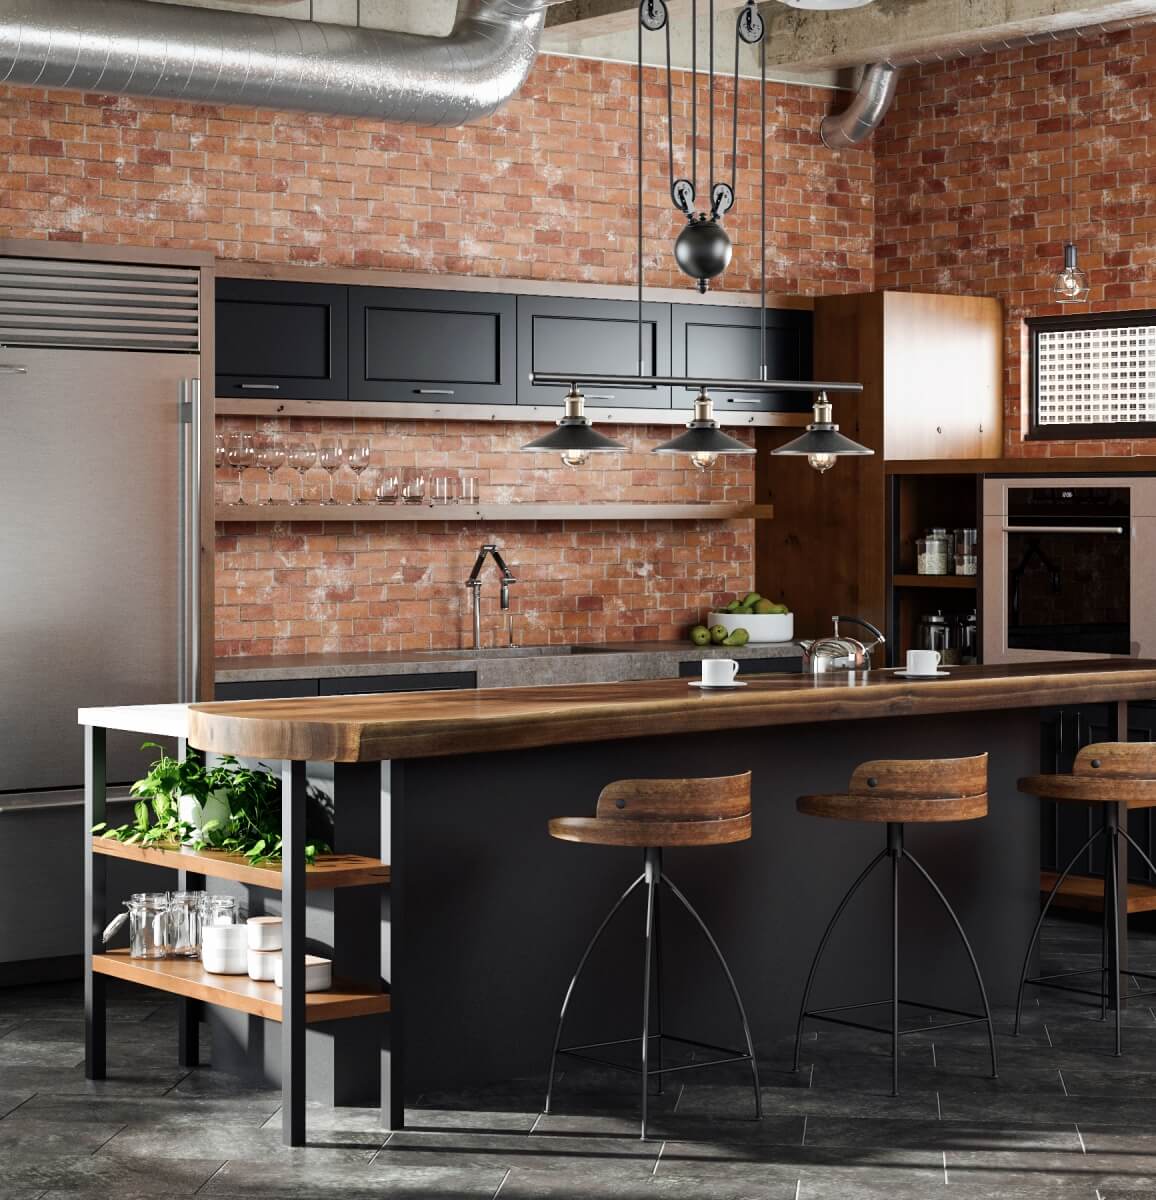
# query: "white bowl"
[264,933]
[263,964]
[223,950]
[318,972]
[763,627]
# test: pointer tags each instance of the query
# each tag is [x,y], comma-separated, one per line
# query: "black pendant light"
[823,443]
[1070,285]
[703,440]
[575,439]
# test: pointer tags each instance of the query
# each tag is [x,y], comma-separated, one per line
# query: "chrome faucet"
[474,583]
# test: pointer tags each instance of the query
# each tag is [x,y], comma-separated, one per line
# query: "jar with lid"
[965,551]
[968,638]
[218,909]
[931,552]
[148,924]
[185,924]
[938,632]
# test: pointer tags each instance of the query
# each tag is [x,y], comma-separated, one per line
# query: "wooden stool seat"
[1103,773]
[897,791]
[664,812]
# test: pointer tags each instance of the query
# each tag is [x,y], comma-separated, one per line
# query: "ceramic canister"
[318,973]
[264,933]
[263,964]
[223,950]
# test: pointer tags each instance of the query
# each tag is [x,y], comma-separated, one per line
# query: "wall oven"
[1069,568]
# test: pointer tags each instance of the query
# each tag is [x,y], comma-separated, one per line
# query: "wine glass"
[219,452]
[329,459]
[302,456]
[240,454]
[270,458]
[357,459]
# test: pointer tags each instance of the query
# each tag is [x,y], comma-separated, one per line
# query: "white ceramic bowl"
[264,933]
[223,950]
[318,972]
[263,964]
[763,627]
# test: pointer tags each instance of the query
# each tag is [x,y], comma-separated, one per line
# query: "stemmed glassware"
[330,458]
[240,455]
[302,456]
[357,459]
[270,458]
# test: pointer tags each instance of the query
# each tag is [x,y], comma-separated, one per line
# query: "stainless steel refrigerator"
[98,539]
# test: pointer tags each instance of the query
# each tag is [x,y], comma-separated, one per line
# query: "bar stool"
[1117,776]
[653,814]
[895,792]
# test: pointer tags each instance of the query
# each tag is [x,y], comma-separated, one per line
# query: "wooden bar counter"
[484,914]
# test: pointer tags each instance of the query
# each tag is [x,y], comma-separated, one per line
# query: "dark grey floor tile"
[370,1182]
[121,1081]
[1024,1109]
[469,1121]
[548,1185]
[1135,1139]
[677,1126]
[31,1138]
[172,1112]
[10,1101]
[217,1139]
[107,1175]
[938,1135]
[1056,1174]
[734,1102]
[17,1050]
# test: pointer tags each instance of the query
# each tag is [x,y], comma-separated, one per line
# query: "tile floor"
[1065,1119]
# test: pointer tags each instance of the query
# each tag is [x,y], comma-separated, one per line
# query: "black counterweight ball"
[703,249]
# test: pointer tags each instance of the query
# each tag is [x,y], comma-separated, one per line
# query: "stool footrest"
[730,1055]
[824,1014]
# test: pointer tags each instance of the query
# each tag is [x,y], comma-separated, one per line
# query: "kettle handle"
[881,640]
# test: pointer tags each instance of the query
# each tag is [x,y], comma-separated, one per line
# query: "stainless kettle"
[836,653]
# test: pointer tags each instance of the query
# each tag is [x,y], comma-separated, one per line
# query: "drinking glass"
[413,485]
[270,458]
[220,449]
[357,459]
[329,458]
[468,489]
[388,488]
[445,488]
[241,454]
[302,456]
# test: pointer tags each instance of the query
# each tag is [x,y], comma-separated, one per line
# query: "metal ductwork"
[175,52]
[859,120]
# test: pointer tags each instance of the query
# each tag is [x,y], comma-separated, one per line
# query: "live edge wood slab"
[439,724]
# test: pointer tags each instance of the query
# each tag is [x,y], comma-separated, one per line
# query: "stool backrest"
[715,799]
[1117,760]
[922,778]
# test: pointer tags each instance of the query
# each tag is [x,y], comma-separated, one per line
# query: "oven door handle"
[1064,529]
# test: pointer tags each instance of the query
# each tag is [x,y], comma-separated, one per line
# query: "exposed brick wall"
[973,177]
[543,190]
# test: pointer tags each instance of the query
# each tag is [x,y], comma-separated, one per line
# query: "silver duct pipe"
[138,48]
[861,117]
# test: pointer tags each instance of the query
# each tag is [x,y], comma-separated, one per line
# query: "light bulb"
[575,458]
[821,462]
[704,460]
[1071,284]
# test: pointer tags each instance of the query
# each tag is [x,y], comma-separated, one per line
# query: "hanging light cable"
[1071,283]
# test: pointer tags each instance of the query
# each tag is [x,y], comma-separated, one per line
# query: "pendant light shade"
[703,440]
[1071,285]
[823,443]
[575,439]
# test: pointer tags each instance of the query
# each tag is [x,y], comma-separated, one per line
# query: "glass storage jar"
[931,552]
[966,551]
[938,632]
[185,924]
[148,924]
[968,638]
[217,909]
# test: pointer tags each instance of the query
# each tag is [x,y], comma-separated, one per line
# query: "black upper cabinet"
[282,340]
[592,337]
[723,343]
[431,347]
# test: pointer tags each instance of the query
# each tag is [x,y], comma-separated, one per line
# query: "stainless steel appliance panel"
[90,553]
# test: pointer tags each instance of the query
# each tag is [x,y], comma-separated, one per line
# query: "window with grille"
[1093,375]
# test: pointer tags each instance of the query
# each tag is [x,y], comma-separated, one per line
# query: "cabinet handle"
[260,387]
[741,400]
[1117,529]
[433,391]
[12,369]
[594,396]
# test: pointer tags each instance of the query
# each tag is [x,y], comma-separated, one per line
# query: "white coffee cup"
[923,662]
[718,672]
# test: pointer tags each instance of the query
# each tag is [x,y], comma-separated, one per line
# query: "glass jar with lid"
[939,632]
[185,924]
[968,638]
[218,909]
[965,552]
[148,924]
[931,552]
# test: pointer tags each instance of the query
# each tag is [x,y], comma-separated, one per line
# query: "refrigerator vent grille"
[99,306]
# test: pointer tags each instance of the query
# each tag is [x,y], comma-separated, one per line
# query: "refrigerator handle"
[189,564]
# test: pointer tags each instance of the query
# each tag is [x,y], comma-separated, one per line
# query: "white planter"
[763,627]
[192,812]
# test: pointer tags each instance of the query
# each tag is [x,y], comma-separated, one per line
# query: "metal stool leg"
[1040,924]
[733,986]
[574,980]
[895,852]
[1111,896]
[970,954]
[652,874]
[658,978]
[823,946]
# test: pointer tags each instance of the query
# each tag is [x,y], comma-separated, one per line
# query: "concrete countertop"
[502,667]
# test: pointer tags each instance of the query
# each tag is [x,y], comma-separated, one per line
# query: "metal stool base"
[653,877]
[897,853]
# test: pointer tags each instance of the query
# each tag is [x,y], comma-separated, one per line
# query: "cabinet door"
[748,666]
[723,343]
[416,347]
[592,337]
[422,681]
[281,340]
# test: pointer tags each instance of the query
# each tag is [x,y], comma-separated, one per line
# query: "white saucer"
[722,687]
[910,675]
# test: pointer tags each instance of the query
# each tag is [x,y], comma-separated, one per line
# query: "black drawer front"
[748,666]
[409,346]
[281,340]
[433,681]
[723,343]
[592,337]
[266,689]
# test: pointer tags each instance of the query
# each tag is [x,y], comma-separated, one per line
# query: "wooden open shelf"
[186,977]
[329,871]
[959,582]
[1086,892]
[492,512]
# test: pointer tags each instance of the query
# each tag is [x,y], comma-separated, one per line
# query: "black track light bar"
[551,378]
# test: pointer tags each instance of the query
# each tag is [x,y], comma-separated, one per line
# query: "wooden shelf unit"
[187,977]
[329,871]
[1086,893]
[963,583]
[232,513]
